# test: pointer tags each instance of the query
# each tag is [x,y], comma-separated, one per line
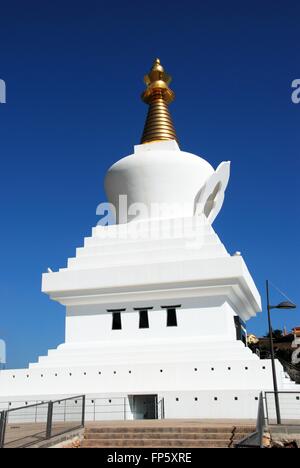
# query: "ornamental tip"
[157,75]
[159,125]
[157,66]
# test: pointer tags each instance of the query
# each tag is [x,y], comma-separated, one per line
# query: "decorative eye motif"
[210,198]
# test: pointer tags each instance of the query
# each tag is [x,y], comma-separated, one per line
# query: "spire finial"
[159,125]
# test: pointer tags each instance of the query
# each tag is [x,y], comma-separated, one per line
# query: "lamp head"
[285,305]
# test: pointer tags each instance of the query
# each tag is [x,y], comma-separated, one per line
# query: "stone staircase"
[164,434]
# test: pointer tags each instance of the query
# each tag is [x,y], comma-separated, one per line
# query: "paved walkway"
[19,435]
[174,423]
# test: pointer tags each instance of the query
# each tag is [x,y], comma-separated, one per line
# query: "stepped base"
[165,434]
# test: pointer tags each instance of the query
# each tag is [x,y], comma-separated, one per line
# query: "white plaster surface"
[168,261]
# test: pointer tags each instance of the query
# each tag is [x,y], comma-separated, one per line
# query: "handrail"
[4,418]
[284,409]
[46,416]
[34,405]
[255,439]
[2,426]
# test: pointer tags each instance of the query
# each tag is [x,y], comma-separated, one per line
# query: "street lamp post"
[282,305]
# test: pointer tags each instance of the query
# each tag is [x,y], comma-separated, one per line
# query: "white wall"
[93,323]
[203,404]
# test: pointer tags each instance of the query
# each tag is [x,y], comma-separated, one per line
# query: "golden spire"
[159,125]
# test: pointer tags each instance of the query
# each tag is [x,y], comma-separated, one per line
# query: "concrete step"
[169,429]
[162,443]
[103,236]
[142,246]
[165,435]
[153,256]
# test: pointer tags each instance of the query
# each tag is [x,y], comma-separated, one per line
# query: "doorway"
[144,406]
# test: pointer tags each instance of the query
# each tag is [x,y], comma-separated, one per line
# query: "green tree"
[276,334]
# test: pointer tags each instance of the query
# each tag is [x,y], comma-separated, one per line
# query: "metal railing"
[255,440]
[289,403]
[31,424]
[42,420]
[119,409]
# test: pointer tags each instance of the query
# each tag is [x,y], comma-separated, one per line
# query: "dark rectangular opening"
[116,318]
[171,318]
[144,406]
[116,321]
[238,329]
[144,319]
[241,333]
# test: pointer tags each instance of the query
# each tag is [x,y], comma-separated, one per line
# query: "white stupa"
[155,305]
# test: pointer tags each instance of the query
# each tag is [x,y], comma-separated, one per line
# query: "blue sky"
[74,76]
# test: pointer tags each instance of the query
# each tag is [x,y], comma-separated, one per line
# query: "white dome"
[158,173]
